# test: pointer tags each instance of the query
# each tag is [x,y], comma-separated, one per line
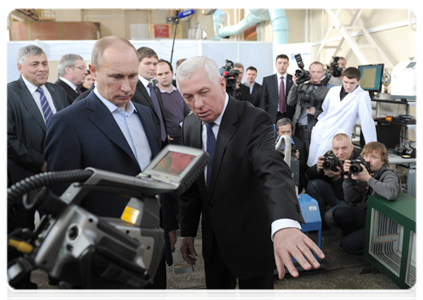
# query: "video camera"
[91,252]
[301,74]
[334,68]
[356,168]
[331,162]
[228,71]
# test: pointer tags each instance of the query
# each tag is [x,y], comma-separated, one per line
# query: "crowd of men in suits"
[124,119]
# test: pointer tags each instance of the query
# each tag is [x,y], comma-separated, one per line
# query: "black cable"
[19,189]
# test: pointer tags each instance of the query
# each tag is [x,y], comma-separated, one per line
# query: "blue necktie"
[211,143]
[47,113]
[158,110]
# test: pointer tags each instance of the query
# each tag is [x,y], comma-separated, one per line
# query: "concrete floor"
[339,279]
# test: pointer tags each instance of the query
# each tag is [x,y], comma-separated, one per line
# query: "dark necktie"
[211,143]
[282,97]
[47,113]
[153,97]
[78,90]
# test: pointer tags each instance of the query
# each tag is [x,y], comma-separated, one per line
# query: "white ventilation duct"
[277,18]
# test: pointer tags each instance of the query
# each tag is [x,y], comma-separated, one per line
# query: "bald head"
[116,42]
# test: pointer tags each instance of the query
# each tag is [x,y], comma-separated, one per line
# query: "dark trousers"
[324,194]
[280,115]
[302,132]
[218,276]
[353,234]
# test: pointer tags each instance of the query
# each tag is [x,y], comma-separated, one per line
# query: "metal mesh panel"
[386,241]
[411,263]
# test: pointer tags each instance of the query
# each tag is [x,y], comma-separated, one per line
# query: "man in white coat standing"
[342,107]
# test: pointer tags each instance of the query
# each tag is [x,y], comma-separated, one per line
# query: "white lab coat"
[340,117]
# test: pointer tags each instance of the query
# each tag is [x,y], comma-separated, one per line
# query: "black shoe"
[325,226]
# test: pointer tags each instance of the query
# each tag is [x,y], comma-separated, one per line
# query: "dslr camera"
[301,74]
[355,167]
[307,97]
[331,162]
[228,71]
[335,70]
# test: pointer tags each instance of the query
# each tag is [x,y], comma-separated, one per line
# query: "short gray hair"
[283,122]
[26,51]
[188,67]
[66,61]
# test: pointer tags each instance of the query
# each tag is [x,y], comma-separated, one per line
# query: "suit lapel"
[144,92]
[55,95]
[226,131]
[103,119]
[28,101]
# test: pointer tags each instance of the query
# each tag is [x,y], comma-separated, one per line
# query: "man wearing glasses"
[374,177]
[71,72]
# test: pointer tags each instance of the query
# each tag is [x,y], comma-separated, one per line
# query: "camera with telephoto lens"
[301,74]
[331,162]
[308,97]
[228,71]
[335,70]
[356,168]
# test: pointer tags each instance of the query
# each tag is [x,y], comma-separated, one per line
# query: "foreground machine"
[91,252]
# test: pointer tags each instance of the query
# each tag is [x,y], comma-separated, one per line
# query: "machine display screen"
[174,163]
[371,77]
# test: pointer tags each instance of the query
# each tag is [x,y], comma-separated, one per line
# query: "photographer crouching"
[306,95]
[368,175]
[327,176]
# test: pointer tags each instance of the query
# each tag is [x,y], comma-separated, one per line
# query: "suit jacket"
[256,94]
[70,92]
[141,96]
[270,96]
[84,94]
[26,129]
[250,187]
[86,135]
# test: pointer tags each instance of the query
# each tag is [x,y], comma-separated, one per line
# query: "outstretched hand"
[290,242]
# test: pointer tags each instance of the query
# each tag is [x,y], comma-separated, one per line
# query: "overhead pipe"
[280,25]
[278,19]
[251,20]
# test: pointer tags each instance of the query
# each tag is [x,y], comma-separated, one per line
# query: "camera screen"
[174,163]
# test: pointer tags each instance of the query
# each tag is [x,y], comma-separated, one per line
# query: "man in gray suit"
[31,101]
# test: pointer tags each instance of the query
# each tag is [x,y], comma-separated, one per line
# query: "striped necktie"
[47,113]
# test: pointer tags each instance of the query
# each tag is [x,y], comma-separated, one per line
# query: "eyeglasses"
[371,157]
[82,68]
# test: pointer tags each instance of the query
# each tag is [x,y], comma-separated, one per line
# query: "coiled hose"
[19,189]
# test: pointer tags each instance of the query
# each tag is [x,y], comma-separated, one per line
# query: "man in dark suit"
[31,101]
[255,87]
[107,130]
[246,192]
[71,72]
[272,100]
[147,93]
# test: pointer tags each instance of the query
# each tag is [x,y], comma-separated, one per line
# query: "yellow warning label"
[130,215]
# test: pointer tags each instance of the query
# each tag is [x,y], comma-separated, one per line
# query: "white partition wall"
[257,54]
